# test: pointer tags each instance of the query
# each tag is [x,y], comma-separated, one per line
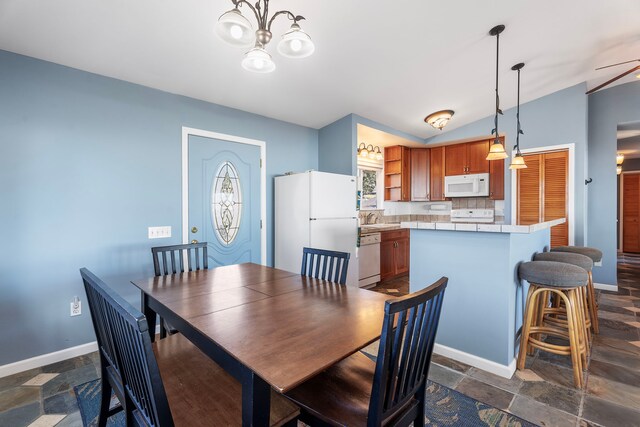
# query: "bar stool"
[553,313]
[563,280]
[596,256]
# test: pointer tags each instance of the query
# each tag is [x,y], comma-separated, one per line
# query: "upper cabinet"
[420,174]
[436,173]
[397,173]
[469,158]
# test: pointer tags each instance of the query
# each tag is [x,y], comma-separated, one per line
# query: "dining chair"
[325,265]
[171,260]
[170,382]
[390,391]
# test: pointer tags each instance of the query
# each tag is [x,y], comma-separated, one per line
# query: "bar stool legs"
[575,331]
[593,305]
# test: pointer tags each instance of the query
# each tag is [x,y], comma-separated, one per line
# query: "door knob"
[194,241]
[194,229]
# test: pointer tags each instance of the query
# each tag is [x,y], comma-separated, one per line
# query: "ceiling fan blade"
[619,63]
[608,82]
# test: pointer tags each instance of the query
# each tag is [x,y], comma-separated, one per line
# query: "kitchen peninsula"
[482,309]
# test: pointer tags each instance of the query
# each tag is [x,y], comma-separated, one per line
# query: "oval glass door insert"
[226,203]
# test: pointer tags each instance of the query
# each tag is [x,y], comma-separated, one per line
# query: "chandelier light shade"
[258,60]
[518,161]
[619,159]
[235,29]
[439,119]
[497,151]
[296,43]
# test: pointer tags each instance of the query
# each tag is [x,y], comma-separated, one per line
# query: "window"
[369,180]
[226,203]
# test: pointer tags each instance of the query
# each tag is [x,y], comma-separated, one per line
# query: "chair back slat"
[196,255]
[325,265]
[406,345]
[126,331]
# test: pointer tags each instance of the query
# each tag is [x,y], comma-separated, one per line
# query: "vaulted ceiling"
[392,62]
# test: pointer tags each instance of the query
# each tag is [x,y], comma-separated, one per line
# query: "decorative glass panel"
[226,203]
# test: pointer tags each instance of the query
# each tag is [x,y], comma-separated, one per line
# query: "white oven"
[475,185]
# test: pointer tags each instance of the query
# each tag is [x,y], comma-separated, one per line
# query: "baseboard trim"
[47,359]
[605,287]
[505,371]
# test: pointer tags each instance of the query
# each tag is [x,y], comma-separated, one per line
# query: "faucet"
[368,218]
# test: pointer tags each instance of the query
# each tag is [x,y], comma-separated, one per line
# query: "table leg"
[256,400]
[150,315]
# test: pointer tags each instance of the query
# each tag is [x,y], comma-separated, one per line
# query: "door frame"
[621,206]
[186,132]
[571,184]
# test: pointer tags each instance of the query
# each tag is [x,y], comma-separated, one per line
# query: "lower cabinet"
[394,253]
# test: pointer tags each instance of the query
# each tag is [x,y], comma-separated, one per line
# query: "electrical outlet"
[159,232]
[76,307]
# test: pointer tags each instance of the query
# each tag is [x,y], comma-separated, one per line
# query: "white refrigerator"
[317,210]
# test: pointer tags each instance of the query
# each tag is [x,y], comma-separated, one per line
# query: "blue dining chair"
[390,391]
[325,265]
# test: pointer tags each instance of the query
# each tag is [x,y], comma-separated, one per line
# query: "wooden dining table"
[268,328]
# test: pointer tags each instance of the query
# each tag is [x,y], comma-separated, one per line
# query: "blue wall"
[87,163]
[607,108]
[336,153]
[559,118]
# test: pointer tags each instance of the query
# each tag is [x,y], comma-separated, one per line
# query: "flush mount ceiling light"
[517,162]
[497,151]
[236,30]
[619,159]
[369,152]
[439,119]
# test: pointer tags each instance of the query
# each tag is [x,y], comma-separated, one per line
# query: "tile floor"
[542,394]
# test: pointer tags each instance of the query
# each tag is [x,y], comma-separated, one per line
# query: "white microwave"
[476,185]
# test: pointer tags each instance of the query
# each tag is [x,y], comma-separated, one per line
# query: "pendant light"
[518,161]
[497,151]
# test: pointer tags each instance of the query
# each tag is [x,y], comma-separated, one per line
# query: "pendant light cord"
[519,130]
[497,140]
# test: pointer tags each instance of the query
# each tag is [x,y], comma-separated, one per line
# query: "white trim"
[47,359]
[505,371]
[605,287]
[186,131]
[571,184]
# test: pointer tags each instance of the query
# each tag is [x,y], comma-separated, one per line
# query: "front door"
[224,199]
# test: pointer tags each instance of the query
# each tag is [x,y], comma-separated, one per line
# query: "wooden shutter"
[555,195]
[631,213]
[529,191]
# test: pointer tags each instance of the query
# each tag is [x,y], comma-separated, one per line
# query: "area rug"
[445,407]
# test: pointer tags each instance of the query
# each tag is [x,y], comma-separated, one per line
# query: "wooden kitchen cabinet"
[420,174]
[496,179]
[436,173]
[394,253]
[397,173]
[468,158]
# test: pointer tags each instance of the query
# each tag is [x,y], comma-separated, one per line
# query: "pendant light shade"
[258,60]
[497,151]
[517,162]
[235,29]
[296,43]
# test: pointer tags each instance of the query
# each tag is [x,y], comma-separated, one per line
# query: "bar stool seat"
[566,283]
[596,256]
[593,253]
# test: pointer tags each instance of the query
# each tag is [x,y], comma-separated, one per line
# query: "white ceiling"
[392,62]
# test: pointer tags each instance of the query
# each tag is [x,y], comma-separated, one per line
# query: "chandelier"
[234,28]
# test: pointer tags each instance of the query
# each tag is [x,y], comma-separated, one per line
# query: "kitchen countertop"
[479,227]
[377,228]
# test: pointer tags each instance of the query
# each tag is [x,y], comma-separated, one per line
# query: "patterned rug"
[445,407]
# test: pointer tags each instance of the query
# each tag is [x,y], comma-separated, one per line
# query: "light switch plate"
[160,232]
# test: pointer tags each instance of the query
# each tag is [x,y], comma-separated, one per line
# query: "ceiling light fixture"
[236,30]
[497,151]
[619,159]
[439,119]
[517,162]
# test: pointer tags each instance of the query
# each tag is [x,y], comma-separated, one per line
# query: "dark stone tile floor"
[543,393]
